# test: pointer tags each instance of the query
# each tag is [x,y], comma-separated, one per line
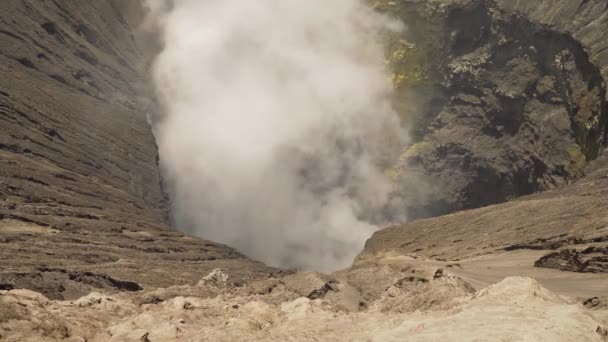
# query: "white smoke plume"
[276,117]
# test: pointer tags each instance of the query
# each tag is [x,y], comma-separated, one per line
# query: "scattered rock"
[145,338]
[438,274]
[592,302]
[216,278]
[442,293]
[406,281]
[309,284]
[603,332]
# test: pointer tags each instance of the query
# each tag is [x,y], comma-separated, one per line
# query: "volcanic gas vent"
[274,130]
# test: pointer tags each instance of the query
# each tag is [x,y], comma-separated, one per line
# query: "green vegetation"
[417,149]
[414,61]
[578,161]
[413,56]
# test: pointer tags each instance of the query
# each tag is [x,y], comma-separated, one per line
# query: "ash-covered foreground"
[310,307]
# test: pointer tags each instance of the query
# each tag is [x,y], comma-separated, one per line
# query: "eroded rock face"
[517,106]
[81,204]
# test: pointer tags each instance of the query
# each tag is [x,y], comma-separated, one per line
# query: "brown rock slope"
[81,205]
[564,229]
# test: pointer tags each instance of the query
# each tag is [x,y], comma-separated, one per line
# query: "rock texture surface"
[81,204]
[518,100]
[513,310]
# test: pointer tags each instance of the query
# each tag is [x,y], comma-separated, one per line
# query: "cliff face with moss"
[503,99]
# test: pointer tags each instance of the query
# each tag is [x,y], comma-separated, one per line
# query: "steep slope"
[79,184]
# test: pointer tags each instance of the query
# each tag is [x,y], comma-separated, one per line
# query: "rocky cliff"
[511,98]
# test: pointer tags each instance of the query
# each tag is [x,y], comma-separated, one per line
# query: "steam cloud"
[275,125]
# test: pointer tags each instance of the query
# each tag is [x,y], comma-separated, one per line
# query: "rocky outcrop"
[81,204]
[590,259]
[513,99]
[446,308]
